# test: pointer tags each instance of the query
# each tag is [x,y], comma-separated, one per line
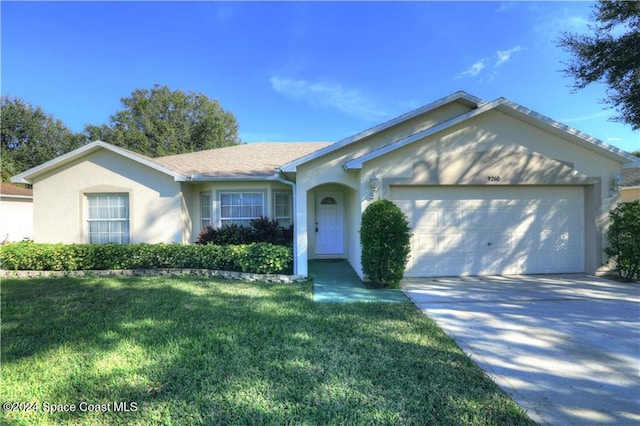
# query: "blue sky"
[297,71]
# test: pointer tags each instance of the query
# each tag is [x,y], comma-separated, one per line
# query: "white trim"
[199,177]
[577,136]
[20,197]
[470,100]
[294,199]
[27,176]
[513,109]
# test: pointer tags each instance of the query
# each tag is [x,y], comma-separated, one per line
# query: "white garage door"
[493,230]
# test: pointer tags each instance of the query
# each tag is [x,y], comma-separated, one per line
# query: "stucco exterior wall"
[16,218]
[492,144]
[155,199]
[500,146]
[630,194]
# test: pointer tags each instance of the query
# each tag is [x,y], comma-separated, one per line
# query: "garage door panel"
[424,243]
[496,230]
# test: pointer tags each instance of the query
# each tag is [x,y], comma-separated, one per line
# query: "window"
[240,207]
[283,209]
[205,210]
[328,200]
[108,218]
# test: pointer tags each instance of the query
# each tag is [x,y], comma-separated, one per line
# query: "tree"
[30,137]
[611,55]
[161,122]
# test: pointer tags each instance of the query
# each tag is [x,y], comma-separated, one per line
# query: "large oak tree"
[610,55]
[159,122]
[31,137]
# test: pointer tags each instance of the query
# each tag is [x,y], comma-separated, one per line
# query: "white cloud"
[588,117]
[502,56]
[505,55]
[474,69]
[327,94]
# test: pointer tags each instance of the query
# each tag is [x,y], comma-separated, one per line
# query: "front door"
[329,223]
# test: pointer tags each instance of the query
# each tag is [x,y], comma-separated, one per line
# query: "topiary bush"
[624,239]
[385,238]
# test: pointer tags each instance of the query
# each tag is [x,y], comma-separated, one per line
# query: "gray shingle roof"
[255,160]
[631,177]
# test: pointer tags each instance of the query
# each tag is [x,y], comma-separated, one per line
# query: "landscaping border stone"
[244,276]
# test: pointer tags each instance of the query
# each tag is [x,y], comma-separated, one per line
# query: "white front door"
[329,223]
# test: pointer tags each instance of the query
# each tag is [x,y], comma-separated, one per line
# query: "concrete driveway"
[565,347]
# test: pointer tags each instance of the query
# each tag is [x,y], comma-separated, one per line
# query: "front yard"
[194,351]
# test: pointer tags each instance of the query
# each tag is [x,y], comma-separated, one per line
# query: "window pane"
[205,210]
[283,208]
[108,218]
[241,207]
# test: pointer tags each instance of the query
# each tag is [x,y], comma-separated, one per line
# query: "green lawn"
[196,351]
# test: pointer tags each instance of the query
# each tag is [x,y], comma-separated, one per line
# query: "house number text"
[493,178]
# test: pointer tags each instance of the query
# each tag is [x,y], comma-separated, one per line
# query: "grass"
[196,351]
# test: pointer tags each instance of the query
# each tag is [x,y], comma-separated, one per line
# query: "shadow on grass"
[193,351]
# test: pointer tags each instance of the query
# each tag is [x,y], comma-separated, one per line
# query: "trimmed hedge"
[385,238]
[261,258]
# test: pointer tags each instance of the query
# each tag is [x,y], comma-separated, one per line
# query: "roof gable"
[28,175]
[511,108]
[457,97]
[257,161]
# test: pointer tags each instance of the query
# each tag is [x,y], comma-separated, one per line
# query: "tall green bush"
[624,239]
[385,238]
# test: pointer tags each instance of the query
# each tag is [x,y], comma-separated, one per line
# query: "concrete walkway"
[566,347]
[334,281]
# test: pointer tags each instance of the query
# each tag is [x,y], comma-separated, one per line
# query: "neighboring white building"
[16,213]
[489,188]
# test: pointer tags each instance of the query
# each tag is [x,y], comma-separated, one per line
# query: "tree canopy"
[31,137]
[159,122]
[611,55]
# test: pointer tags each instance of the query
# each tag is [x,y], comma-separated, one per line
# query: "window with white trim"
[205,209]
[282,208]
[240,207]
[108,218]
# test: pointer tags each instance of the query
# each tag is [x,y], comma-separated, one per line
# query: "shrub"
[226,234]
[624,239]
[257,257]
[261,230]
[262,258]
[384,237]
[265,230]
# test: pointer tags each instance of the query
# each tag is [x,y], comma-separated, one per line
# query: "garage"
[491,230]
